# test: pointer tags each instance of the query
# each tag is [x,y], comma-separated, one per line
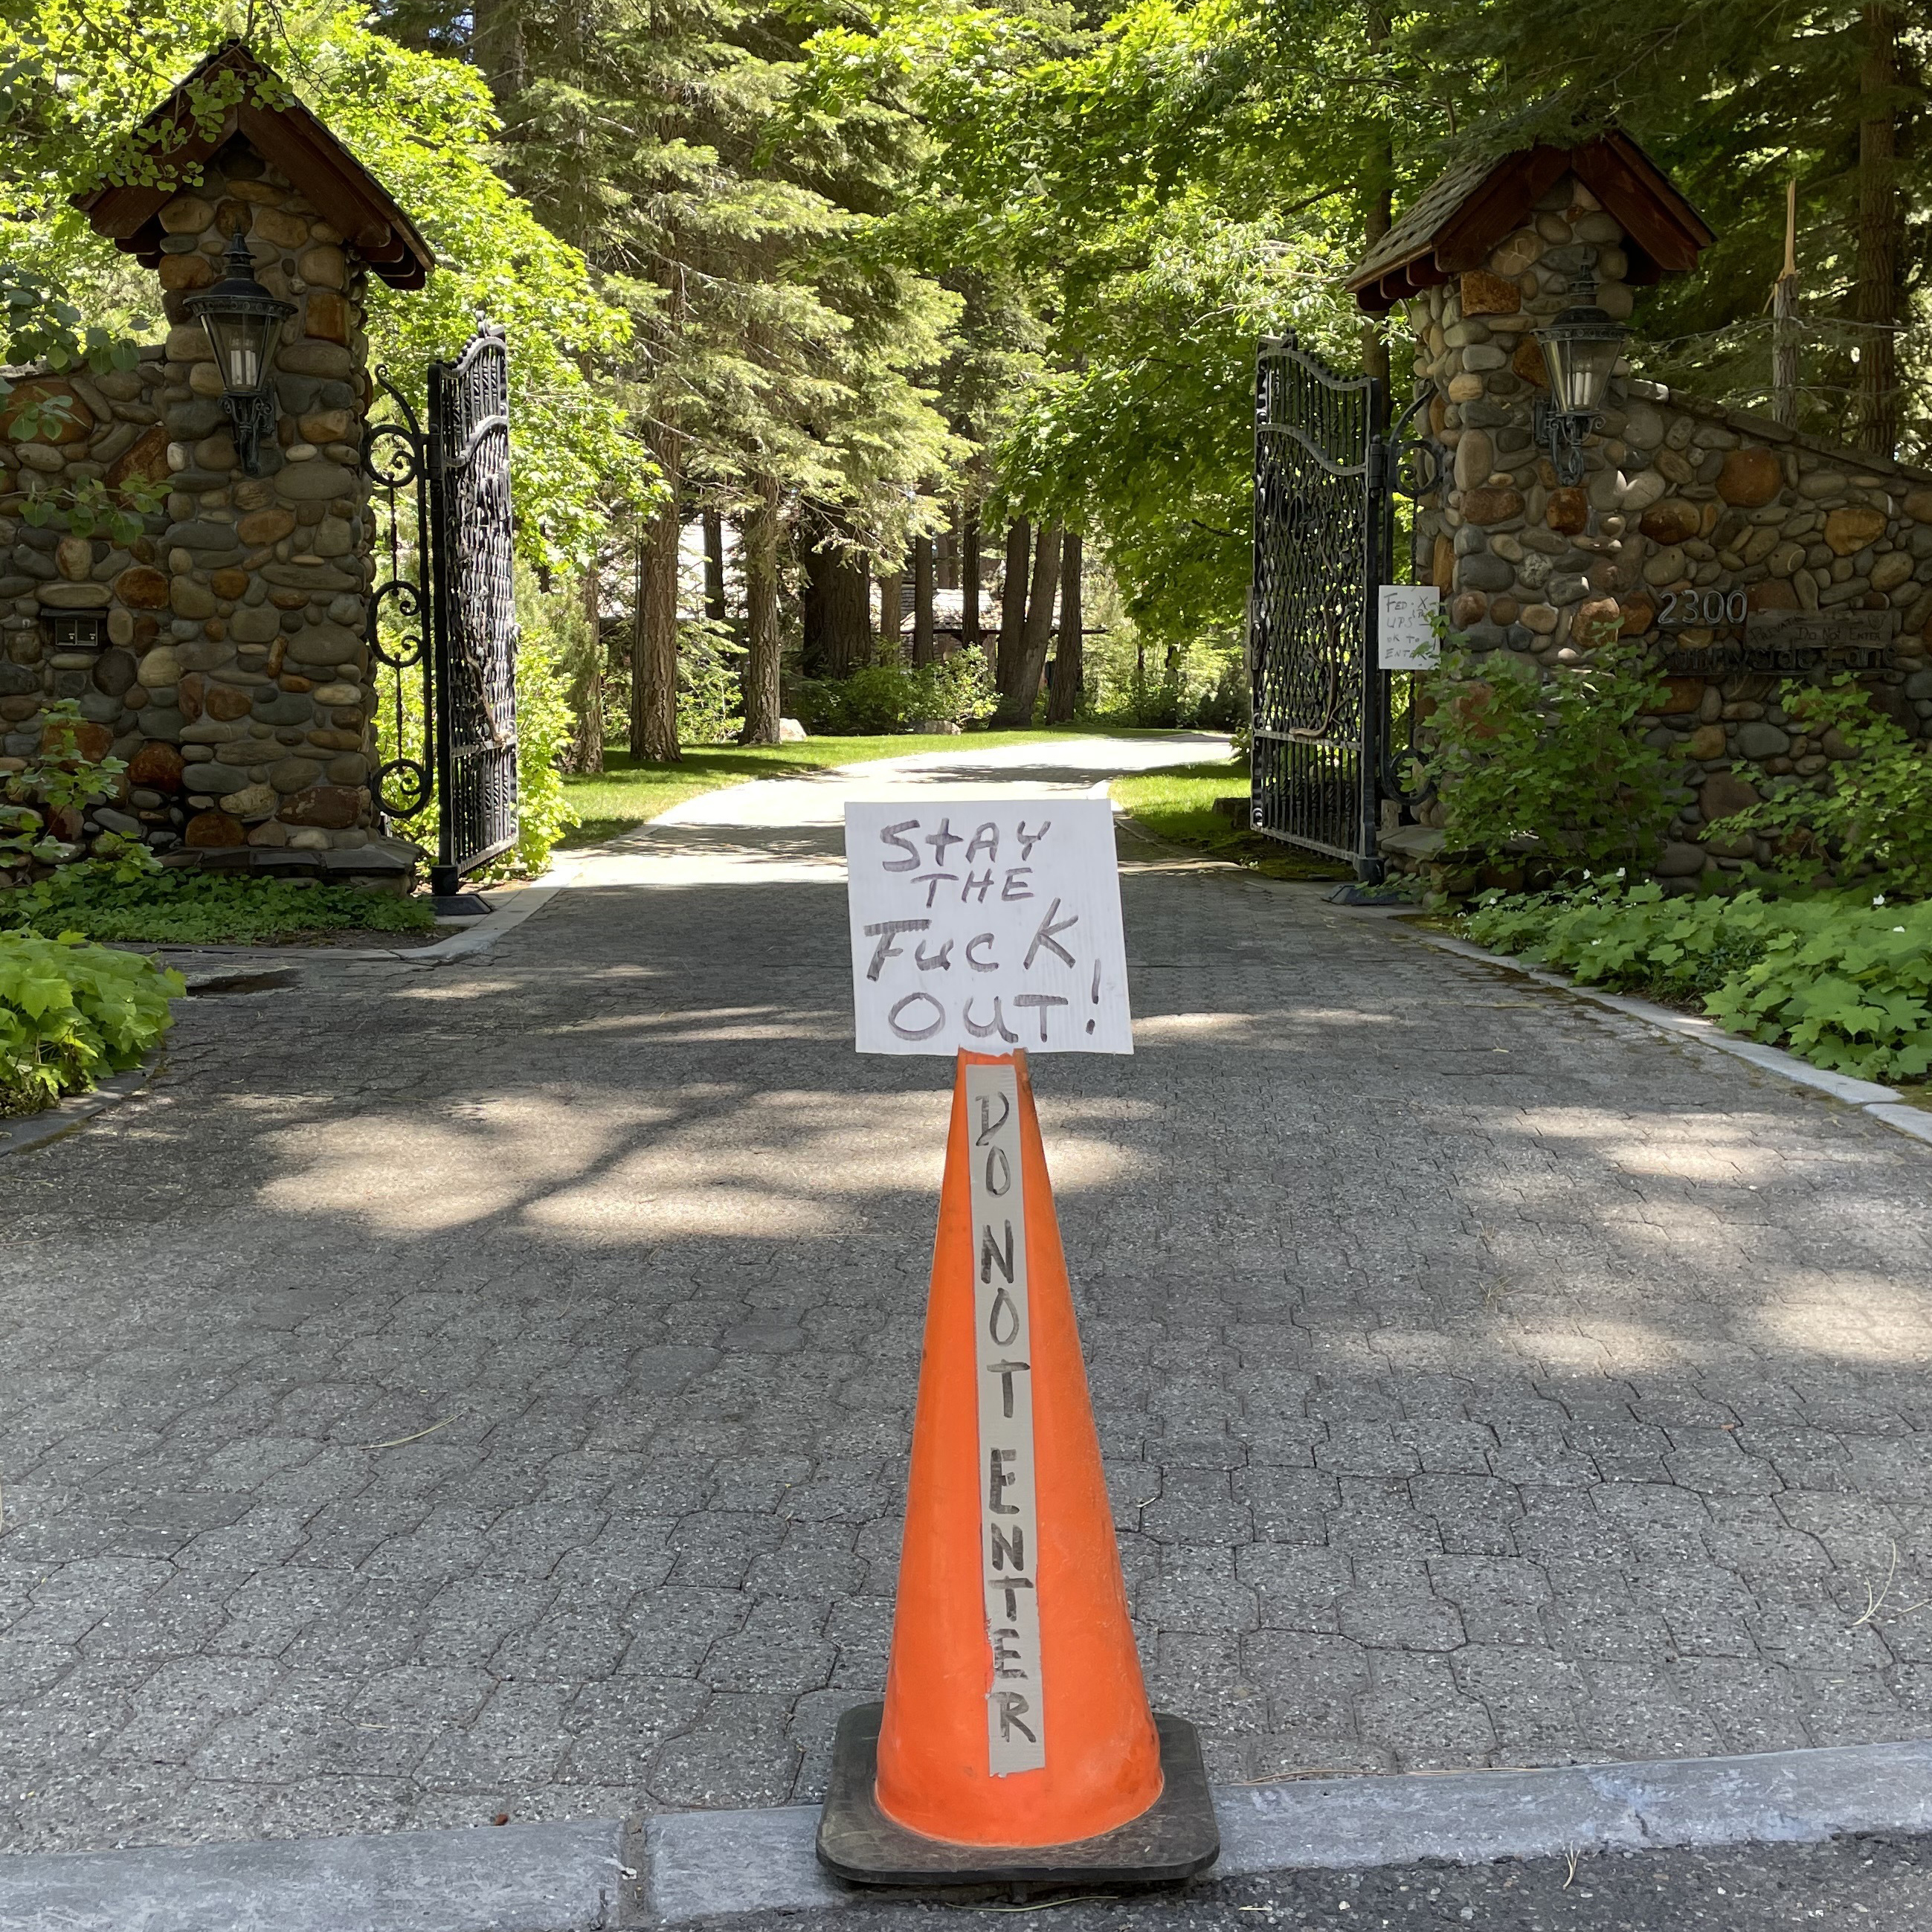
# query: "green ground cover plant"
[71,1013]
[131,898]
[1178,805]
[1843,979]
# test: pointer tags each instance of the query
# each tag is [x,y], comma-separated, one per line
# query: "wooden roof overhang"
[1455,223]
[333,182]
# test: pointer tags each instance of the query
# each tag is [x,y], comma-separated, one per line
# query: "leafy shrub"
[883,698]
[70,1013]
[131,898]
[1843,980]
[62,782]
[1872,813]
[549,628]
[1552,770]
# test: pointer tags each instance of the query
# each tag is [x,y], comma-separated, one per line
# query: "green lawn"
[1178,805]
[625,795]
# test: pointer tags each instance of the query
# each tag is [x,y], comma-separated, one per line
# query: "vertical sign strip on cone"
[1016,1704]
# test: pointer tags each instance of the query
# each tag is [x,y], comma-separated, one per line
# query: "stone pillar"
[1678,496]
[235,680]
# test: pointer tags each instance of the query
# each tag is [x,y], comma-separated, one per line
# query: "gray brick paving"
[1482,1379]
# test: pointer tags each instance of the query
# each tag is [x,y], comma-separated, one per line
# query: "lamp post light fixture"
[1580,348]
[244,323]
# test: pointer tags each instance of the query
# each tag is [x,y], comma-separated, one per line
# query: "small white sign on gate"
[1406,639]
[986,924]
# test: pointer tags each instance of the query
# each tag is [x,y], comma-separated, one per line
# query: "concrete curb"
[52,1123]
[517,1878]
[710,1865]
[1882,1103]
[707,1866]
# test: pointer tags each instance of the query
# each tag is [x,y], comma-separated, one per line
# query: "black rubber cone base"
[1173,1839]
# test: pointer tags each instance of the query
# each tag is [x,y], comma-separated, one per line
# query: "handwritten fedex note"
[986,924]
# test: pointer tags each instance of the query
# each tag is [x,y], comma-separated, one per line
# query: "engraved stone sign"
[986,924]
[1015,1727]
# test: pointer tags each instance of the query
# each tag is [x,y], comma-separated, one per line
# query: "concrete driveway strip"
[444,1395]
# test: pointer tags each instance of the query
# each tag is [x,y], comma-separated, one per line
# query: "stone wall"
[235,679]
[1678,495]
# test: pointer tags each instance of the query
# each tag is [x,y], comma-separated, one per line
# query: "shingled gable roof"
[290,138]
[1458,219]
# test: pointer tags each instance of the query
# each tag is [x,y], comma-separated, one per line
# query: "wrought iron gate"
[442,623]
[1327,474]
[1317,554]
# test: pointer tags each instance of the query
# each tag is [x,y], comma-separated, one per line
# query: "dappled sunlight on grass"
[1178,805]
[627,793]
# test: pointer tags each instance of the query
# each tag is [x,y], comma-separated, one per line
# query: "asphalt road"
[1876,1884]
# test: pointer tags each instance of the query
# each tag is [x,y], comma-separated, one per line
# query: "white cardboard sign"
[1404,639]
[986,924]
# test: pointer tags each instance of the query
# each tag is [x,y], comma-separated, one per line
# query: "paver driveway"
[1484,1379]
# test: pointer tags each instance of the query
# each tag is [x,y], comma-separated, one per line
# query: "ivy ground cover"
[1843,979]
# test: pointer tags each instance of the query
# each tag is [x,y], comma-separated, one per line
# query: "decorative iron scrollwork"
[396,459]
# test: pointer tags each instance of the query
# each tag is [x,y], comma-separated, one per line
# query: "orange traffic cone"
[1016,1739]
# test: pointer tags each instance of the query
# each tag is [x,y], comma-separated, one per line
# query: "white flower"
[1620,872]
[1898,928]
[1880,900]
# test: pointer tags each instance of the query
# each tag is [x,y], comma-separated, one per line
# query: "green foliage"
[1872,814]
[70,1013]
[1200,685]
[62,780]
[1732,99]
[710,683]
[1550,771]
[74,85]
[955,690]
[551,628]
[123,898]
[1845,981]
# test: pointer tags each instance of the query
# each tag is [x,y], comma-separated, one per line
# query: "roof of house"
[1459,219]
[290,138]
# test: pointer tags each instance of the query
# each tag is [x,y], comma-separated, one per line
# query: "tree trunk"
[654,639]
[585,751]
[1377,189]
[1784,320]
[1878,251]
[837,601]
[1069,670]
[946,553]
[1012,605]
[891,616]
[496,41]
[923,651]
[969,581]
[714,567]
[1016,705]
[758,559]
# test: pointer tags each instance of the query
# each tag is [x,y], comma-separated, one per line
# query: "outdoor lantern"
[244,323]
[73,630]
[1580,349]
